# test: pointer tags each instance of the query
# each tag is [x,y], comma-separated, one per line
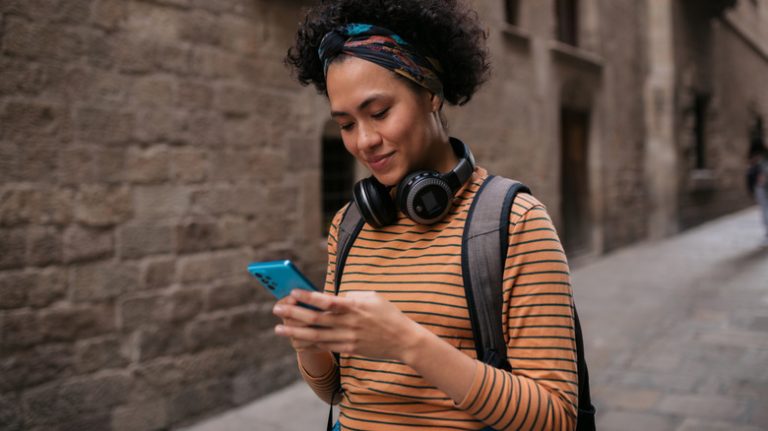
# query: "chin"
[389,178]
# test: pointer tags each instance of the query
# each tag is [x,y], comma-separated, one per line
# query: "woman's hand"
[285,309]
[361,323]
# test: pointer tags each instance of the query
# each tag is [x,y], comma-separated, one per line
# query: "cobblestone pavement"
[676,333]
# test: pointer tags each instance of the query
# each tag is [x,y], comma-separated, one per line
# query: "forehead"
[351,80]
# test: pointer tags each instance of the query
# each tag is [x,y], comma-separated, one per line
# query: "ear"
[437,102]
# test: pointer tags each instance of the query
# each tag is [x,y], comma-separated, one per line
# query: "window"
[338,178]
[567,14]
[512,12]
[700,106]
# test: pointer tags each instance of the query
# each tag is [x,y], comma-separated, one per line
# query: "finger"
[296,312]
[336,304]
[314,335]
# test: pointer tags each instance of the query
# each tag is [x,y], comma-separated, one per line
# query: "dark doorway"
[567,15]
[574,129]
[338,177]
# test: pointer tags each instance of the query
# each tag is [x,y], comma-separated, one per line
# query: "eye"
[381,114]
[346,127]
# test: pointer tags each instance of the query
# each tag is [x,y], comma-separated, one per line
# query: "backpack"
[483,250]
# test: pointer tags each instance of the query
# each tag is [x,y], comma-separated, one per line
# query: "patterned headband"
[384,48]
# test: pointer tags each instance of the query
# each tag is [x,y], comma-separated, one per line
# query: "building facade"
[150,149]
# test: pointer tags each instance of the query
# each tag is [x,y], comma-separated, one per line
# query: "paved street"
[676,332]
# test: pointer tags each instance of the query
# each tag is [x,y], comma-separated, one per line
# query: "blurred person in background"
[400,317]
[757,182]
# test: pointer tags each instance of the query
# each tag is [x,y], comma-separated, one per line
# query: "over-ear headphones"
[424,196]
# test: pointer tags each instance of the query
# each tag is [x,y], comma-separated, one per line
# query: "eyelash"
[378,116]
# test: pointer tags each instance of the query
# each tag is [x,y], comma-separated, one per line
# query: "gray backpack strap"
[483,252]
[351,224]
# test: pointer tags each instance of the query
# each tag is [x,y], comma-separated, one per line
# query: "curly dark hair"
[447,30]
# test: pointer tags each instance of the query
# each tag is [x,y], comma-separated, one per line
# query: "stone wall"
[147,154]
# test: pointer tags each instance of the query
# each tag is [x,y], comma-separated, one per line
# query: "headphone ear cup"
[401,197]
[373,200]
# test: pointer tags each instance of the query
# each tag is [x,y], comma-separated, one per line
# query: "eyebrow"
[370,99]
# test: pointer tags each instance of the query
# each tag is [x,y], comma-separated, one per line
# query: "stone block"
[143,310]
[236,100]
[211,63]
[19,76]
[31,120]
[99,353]
[25,205]
[230,165]
[138,240]
[20,329]
[241,201]
[231,295]
[189,165]
[157,341]
[202,398]
[10,413]
[72,323]
[200,28]
[107,126]
[50,286]
[233,232]
[210,332]
[83,243]
[101,206]
[184,304]
[154,92]
[203,130]
[144,416]
[34,366]
[13,246]
[44,246]
[170,57]
[63,403]
[254,321]
[212,266]
[39,157]
[99,281]
[158,273]
[193,236]
[14,288]
[109,14]
[193,95]
[153,202]
[133,55]
[150,165]
[10,167]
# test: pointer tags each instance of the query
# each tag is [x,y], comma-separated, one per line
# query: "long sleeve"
[541,391]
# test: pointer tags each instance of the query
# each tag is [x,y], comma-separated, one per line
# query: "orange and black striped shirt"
[418,268]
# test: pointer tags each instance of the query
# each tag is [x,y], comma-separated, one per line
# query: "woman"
[400,319]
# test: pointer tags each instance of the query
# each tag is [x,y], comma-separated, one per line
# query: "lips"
[379,162]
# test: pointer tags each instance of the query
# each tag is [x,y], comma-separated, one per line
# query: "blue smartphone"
[280,277]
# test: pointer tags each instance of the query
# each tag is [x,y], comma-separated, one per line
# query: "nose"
[367,137]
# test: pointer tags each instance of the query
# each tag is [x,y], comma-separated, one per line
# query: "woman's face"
[386,124]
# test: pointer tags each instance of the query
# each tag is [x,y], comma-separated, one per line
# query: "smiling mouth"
[377,163]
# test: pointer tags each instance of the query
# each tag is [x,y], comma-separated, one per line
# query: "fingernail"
[278,308]
[279,329]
